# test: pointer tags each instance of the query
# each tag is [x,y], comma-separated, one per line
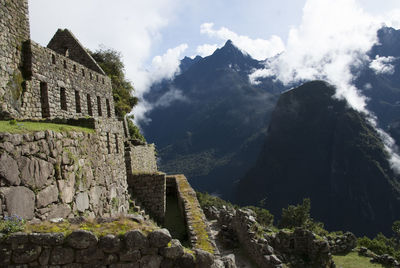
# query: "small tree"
[296,216]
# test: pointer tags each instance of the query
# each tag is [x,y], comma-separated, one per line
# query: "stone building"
[64,174]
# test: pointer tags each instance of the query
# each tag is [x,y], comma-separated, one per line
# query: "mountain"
[383,88]
[318,147]
[214,122]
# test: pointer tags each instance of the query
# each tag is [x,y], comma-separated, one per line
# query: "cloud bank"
[332,39]
[165,66]
[259,49]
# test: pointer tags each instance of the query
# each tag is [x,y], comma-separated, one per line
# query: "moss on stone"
[117,227]
[196,214]
[15,85]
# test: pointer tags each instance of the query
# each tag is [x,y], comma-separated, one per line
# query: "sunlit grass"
[353,260]
[16,127]
[198,224]
[117,227]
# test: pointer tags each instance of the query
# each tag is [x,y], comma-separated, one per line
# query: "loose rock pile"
[300,248]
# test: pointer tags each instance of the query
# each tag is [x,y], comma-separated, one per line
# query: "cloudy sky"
[319,37]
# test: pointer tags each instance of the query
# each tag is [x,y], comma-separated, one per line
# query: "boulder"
[203,258]
[47,239]
[173,251]
[81,239]
[159,238]
[110,243]
[136,239]
[9,170]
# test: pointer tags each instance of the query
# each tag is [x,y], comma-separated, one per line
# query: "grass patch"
[197,222]
[27,127]
[353,260]
[117,227]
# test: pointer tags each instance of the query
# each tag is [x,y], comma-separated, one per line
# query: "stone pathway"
[241,258]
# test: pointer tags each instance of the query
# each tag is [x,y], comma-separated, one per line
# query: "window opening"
[77,101]
[63,99]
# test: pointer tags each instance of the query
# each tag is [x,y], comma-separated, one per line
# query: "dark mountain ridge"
[318,147]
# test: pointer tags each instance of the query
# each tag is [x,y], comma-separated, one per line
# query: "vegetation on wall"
[110,61]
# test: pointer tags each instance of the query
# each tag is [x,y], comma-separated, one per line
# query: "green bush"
[11,224]
[207,200]
[299,216]
[264,217]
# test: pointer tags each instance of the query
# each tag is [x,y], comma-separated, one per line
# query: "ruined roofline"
[64,40]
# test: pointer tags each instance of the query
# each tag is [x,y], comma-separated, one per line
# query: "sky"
[315,39]
[319,38]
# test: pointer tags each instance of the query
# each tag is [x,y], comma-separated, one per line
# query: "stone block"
[174,251]
[159,238]
[59,211]
[151,261]
[26,253]
[110,243]
[47,196]
[82,201]
[89,255]
[47,239]
[81,239]
[20,201]
[130,255]
[61,255]
[67,188]
[135,239]
[9,170]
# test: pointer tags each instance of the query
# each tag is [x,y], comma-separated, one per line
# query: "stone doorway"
[44,100]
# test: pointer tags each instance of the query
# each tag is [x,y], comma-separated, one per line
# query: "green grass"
[27,127]
[118,227]
[353,260]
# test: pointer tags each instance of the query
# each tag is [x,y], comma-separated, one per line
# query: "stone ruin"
[46,174]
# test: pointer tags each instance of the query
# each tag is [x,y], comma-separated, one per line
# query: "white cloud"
[382,65]
[165,66]
[170,96]
[259,49]
[334,36]
[260,73]
[206,49]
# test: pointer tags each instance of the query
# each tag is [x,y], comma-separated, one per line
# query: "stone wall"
[47,175]
[84,249]
[141,159]
[14,32]
[196,224]
[85,92]
[149,189]
[299,248]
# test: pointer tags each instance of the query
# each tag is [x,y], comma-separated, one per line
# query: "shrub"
[207,200]
[264,217]
[11,224]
